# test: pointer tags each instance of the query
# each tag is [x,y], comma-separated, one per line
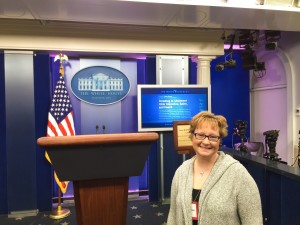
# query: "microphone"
[103,129]
[97,129]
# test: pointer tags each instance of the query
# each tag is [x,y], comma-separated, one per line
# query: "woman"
[212,188]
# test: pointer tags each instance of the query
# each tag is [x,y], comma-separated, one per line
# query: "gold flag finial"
[62,58]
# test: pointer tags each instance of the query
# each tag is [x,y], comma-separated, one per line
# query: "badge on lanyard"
[195,210]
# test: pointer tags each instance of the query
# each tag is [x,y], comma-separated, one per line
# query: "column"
[203,69]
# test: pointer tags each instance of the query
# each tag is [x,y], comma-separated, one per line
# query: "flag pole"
[60,212]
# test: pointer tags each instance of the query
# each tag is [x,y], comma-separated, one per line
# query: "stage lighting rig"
[231,63]
[270,46]
[272,35]
[248,38]
[271,38]
[220,66]
[259,66]
[228,63]
[259,70]
[249,61]
[248,58]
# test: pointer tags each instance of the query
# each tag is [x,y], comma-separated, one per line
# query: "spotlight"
[231,63]
[259,70]
[220,66]
[260,66]
[269,46]
[247,38]
[272,35]
[248,59]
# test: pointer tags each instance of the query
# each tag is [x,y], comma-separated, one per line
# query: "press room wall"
[230,97]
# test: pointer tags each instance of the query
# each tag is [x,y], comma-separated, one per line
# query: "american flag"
[60,120]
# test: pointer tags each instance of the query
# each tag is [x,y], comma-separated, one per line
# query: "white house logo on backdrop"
[100,85]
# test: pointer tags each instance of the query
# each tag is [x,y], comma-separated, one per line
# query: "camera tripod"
[270,144]
[240,130]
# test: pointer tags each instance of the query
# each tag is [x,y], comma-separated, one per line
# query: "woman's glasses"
[201,137]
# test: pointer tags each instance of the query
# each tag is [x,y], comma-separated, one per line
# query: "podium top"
[89,157]
[96,139]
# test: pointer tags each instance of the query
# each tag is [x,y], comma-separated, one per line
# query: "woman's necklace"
[201,175]
[202,172]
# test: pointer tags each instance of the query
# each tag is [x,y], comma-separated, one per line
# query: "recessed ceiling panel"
[194,16]
[14,10]
[104,12]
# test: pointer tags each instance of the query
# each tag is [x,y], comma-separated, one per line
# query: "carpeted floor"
[139,212]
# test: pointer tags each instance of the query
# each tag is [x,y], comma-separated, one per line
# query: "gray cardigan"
[229,196]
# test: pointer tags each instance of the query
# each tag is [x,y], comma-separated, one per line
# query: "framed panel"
[182,141]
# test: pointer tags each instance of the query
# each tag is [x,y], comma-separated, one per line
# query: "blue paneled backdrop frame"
[3,161]
[44,172]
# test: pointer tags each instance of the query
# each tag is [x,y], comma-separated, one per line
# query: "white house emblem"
[100,85]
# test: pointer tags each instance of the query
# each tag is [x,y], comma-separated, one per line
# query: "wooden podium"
[100,167]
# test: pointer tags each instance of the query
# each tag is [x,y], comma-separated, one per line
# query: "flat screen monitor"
[160,105]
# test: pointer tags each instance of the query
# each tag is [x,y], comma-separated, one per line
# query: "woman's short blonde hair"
[216,121]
